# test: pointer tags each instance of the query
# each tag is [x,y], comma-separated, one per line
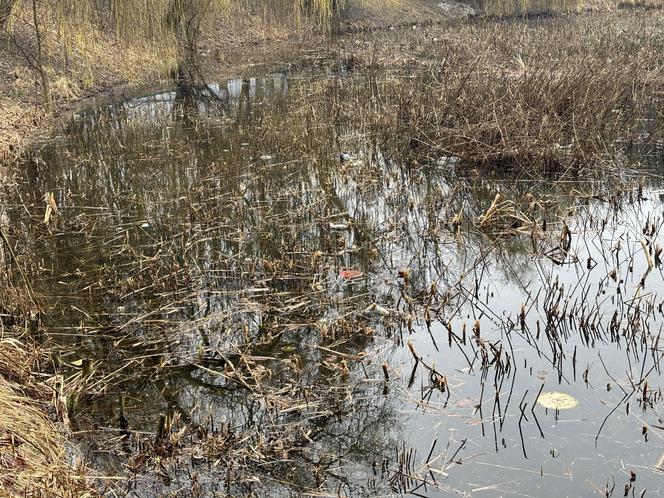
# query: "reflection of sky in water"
[263,209]
[566,459]
[151,108]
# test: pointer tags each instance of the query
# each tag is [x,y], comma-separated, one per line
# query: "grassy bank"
[34,460]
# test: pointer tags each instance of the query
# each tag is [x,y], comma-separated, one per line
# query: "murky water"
[237,260]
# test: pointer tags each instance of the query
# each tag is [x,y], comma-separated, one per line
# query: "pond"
[249,295]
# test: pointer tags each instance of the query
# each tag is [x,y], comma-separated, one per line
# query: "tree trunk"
[5,10]
[46,93]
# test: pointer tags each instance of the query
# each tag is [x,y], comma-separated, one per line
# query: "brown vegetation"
[535,97]
[34,459]
[564,94]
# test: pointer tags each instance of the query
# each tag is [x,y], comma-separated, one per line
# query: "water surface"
[196,271]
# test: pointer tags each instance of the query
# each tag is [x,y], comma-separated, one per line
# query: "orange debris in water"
[350,274]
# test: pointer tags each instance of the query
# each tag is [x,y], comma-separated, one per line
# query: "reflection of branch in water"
[626,397]
[438,380]
[409,479]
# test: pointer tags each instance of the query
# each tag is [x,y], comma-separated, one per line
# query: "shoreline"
[244,46]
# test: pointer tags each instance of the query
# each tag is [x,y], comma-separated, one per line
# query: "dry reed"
[34,460]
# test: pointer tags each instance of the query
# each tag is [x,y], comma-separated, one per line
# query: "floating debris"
[557,400]
[51,208]
[377,309]
[350,274]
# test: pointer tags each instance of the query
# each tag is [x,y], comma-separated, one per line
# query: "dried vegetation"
[219,336]
[34,461]
[563,95]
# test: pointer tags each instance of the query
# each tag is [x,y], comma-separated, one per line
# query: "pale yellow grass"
[33,457]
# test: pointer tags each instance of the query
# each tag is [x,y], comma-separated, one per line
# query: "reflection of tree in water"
[298,446]
[200,253]
[297,431]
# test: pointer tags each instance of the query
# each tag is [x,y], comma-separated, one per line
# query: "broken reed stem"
[646,252]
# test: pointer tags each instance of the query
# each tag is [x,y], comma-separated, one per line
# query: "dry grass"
[33,456]
[560,95]
[510,8]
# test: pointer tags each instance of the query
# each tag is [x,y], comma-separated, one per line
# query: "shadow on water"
[249,297]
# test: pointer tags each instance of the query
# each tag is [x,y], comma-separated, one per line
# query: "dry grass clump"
[33,456]
[544,118]
[15,362]
[558,95]
[503,215]
[509,8]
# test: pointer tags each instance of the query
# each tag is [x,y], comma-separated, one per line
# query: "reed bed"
[566,95]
